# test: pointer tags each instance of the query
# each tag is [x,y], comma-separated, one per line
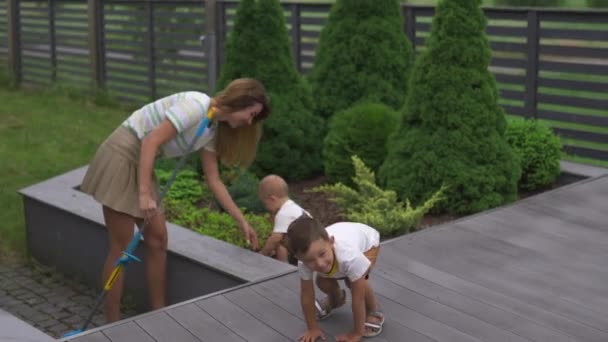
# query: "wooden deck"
[533,271]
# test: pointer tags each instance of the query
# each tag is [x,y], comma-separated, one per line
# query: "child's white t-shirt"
[288,213]
[186,111]
[351,240]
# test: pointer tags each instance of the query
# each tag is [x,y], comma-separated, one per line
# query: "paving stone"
[80,310]
[34,300]
[58,329]
[9,285]
[38,288]
[48,301]
[8,302]
[18,292]
[73,320]
[58,299]
[47,308]
[98,320]
[38,317]
[60,314]
[65,291]
[46,323]
[84,300]
[27,296]
[25,310]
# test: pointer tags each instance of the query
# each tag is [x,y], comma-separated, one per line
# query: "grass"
[43,134]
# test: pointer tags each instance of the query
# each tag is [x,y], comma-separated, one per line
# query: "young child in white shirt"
[342,251]
[274,193]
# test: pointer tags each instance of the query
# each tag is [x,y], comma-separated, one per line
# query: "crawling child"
[274,193]
[342,251]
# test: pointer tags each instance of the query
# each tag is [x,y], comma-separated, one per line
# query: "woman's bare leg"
[120,230]
[155,238]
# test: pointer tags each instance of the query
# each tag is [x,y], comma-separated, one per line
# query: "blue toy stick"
[128,256]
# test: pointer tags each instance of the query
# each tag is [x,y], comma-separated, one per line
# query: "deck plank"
[202,325]
[162,327]
[127,332]
[239,321]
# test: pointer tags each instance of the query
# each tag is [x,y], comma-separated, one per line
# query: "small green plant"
[216,224]
[186,186]
[378,208]
[539,150]
[361,130]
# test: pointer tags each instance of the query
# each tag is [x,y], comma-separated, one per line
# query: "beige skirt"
[112,177]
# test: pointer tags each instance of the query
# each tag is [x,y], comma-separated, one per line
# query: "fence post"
[149,10]
[533,42]
[295,35]
[410,25]
[211,11]
[52,41]
[96,44]
[14,41]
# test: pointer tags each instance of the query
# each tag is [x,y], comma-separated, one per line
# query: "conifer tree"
[452,128]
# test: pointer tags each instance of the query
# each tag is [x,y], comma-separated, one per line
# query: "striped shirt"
[185,111]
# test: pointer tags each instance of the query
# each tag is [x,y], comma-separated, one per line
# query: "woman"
[121,176]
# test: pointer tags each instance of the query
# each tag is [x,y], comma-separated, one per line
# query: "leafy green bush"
[597,3]
[530,3]
[186,186]
[363,54]
[378,208]
[244,192]
[259,47]
[452,129]
[361,130]
[218,225]
[539,150]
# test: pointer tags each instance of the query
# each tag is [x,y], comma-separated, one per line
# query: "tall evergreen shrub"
[452,129]
[259,47]
[363,54]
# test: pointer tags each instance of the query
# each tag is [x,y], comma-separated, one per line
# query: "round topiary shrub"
[363,54]
[539,151]
[361,130]
[244,192]
[292,142]
[452,129]
[530,3]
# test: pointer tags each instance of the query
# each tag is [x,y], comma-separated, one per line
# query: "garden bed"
[320,205]
[65,230]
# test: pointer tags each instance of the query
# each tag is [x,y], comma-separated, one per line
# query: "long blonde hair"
[238,146]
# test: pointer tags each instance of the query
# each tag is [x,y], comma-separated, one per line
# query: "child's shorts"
[372,256]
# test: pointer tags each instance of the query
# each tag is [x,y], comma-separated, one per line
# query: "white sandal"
[324,312]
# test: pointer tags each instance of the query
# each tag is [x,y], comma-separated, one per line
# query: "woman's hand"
[147,205]
[250,235]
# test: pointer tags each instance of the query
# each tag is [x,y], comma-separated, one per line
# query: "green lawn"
[43,134]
